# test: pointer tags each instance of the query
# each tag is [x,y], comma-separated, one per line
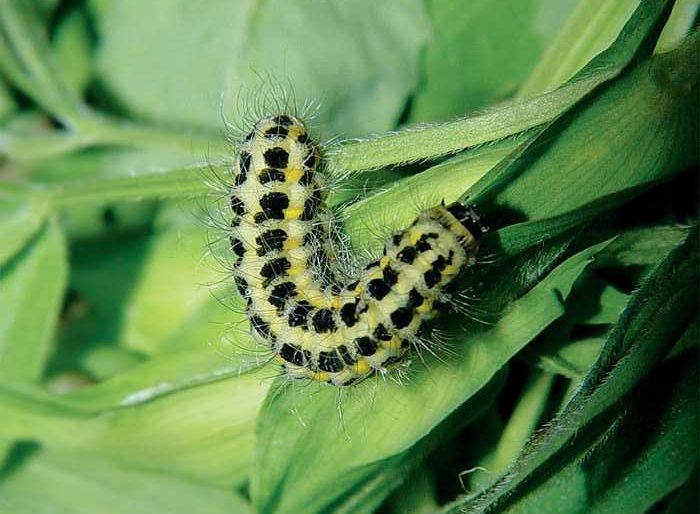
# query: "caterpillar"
[317,324]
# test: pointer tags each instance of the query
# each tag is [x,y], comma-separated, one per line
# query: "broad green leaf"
[359,58]
[481,51]
[297,430]
[74,483]
[31,293]
[385,476]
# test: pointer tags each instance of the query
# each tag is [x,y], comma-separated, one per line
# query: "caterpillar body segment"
[318,326]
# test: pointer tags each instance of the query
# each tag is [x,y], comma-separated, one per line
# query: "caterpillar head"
[469,218]
[462,220]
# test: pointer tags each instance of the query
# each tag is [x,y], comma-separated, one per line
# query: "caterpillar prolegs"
[317,325]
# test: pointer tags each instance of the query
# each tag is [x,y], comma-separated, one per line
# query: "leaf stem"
[428,142]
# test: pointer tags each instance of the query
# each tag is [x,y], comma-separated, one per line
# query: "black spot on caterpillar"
[317,325]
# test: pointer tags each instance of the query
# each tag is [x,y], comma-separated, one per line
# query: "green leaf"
[28,62]
[175,263]
[385,476]
[481,52]
[633,457]
[686,499]
[204,433]
[104,272]
[641,247]
[661,310]
[109,175]
[591,28]
[20,219]
[31,293]
[366,53]
[8,105]
[520,426]
[121,315]
[165,374]
[406,146]
[637,132]
[419,143]
[417,495]
[592,308]
[72,45]
[431,141]
[398,204]
[679,25]
[656,316]
[74,483]
[298,432]
[667,433]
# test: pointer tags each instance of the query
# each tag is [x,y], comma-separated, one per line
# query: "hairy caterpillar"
[317,325]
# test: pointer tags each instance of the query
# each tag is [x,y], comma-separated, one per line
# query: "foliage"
[570,386]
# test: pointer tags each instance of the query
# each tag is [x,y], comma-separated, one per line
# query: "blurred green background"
[127,379]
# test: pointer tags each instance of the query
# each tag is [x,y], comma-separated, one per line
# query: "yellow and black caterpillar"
[317,326]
